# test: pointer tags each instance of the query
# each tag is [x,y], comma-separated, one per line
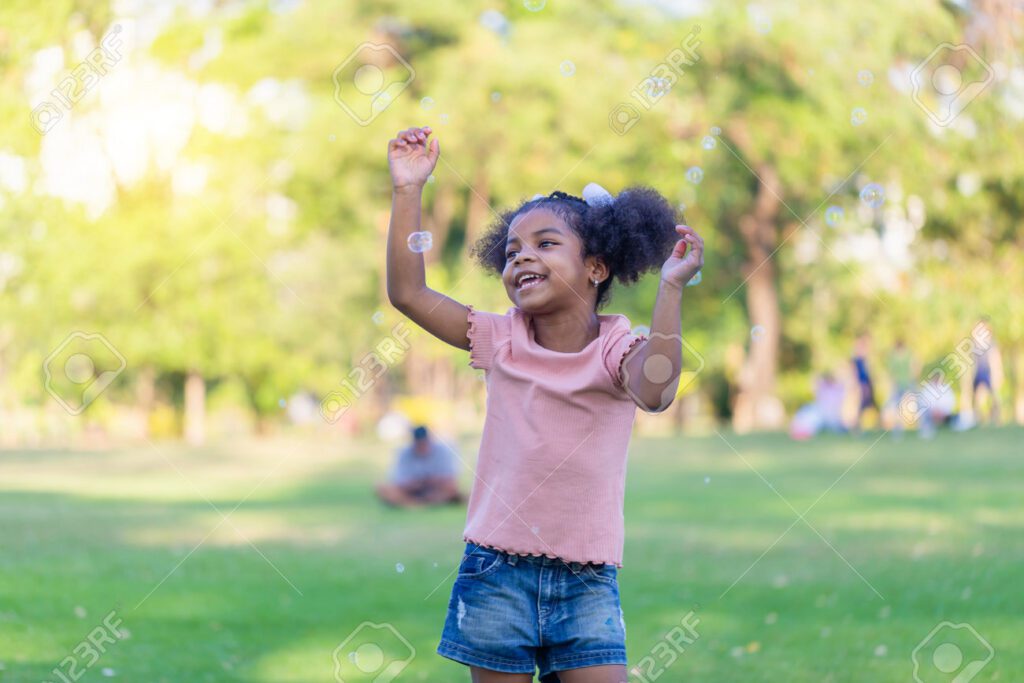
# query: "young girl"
[537,585]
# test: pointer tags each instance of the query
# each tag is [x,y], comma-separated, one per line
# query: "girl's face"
[544,267]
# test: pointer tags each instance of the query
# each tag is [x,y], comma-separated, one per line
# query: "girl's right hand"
[410,158]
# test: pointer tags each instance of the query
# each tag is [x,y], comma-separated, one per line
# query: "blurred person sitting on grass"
[824,412]
[938,404]
[424,474]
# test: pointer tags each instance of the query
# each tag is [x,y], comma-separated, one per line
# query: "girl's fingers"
[687,230]
[414,135]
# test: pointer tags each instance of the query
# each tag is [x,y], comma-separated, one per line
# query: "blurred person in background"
[902,369]
[938,403]
[865,386]
[825,412]
[424,474]
[988,371]
[829,394]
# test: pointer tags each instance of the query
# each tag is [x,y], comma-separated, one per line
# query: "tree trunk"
[1018,389]
[145,395]
[479,212]
[440,217]
[195,408]
[757,406]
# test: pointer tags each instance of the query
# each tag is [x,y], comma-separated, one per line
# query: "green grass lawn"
[912,534]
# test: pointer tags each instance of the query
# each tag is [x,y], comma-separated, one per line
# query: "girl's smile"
[543,268]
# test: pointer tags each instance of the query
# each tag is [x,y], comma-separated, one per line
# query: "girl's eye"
[511,253]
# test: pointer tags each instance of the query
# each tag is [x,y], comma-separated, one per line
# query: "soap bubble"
[642,331]
[858,116]
[494,20]
[399,567]
[656,87]
[431,179]
[833,215]
[495,96]
[715,130]
[708,142]
[378,318]
[282,403]
[108,672]
[881,651]
[759,18]
[695,280]
[567,68]
[695,174]
[427,103]
[534,5]
[707,480]
[756,332]
[865,77]
[873,195]
[443,118]
[420,242]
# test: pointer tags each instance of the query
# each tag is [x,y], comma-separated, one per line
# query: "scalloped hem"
[475,348]
[632,344]
[526,553]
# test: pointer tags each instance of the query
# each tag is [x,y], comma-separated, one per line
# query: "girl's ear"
[596,269]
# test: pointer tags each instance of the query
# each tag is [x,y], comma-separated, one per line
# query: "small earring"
[595,282]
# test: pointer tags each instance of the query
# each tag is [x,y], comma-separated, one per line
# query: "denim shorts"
[519,613]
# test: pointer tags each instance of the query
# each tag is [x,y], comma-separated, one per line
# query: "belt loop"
[511,558]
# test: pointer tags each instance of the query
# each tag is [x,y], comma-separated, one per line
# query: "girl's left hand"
[687,258]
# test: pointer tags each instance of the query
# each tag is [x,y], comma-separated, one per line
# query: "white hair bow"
[593,195]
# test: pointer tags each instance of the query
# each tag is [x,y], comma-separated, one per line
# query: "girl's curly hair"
[632,235]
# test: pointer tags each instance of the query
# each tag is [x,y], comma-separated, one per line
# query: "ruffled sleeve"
[487,332]
[620,342]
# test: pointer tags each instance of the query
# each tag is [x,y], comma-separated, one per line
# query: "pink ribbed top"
[551,473]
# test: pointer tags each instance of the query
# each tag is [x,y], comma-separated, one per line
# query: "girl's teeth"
[530,281]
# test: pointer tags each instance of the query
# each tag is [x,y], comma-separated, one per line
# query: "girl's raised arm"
[411,160]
